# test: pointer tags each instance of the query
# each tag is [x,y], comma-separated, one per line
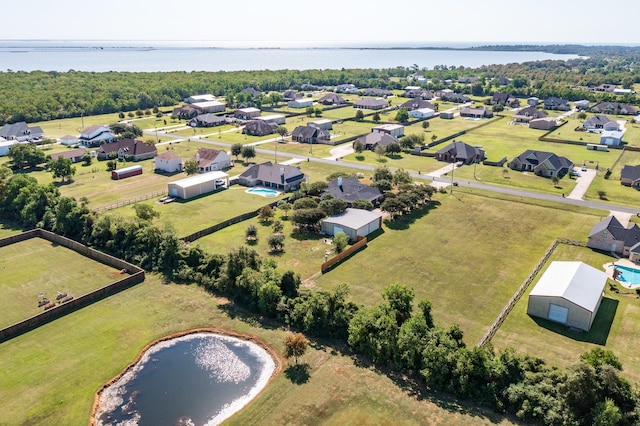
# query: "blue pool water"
[628,275]
[265,192]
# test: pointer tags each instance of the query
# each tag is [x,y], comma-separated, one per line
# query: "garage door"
[558,313]
[173,192]
[337,229]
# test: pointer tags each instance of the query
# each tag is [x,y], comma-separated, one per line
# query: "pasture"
[616,326]
[36,268]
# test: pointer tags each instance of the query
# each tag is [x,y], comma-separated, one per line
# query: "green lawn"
[467,254]
[615,192]
[411,163]
[616,326]
[49,375]
[315,150]
[37,266]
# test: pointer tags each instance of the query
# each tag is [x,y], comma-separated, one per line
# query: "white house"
[300,103]
[421,113]
[569,293]
[168,162]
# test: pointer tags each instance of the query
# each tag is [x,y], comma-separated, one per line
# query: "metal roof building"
[569,293]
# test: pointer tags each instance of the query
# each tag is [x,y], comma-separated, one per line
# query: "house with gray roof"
[598,123]
[557,104]
[542,163]
[480,112]
[506,99]
[125,148]
[331,99]
[417,103]
[259,128]
[371,103]
[251,91]
[460,151]
[418,92]
[611,236]
[207,120]
[375,139]
[278,176]
[291,95]
[310,134]
[21,132]
[458,98]
[527,114]
[614,108]
[353,222]
[350,189]
[630,176]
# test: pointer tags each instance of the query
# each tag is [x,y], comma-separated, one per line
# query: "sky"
[257,23]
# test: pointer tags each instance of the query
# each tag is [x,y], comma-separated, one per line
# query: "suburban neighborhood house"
[451,96]
[332,99]
[609,235]
[124,148]
[353,222]
[614,108]
[207,120]
[211,159]
[279,176]
[557,104]
[506,99]
[21,132]
[350,189]
[371,103]
[96,136]
[527,114]
[544,123]
[259,128]
[74,155]
[542,163]
[630,176]
[413,104]
[481,112]
[291,95]
[598,123]
[460,151]
[310,134]
[375,139]
[168,162]
[569,293]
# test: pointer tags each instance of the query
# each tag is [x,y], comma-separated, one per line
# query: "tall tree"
[295,345]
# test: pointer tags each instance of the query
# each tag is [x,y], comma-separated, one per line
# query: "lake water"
[198,379]
[107,56]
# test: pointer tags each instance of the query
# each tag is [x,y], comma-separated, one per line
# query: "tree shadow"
[298,374]
[299,235]
[252,242]
[406,220]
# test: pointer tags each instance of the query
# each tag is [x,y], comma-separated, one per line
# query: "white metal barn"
[353,222]
[194,186]
[568,293]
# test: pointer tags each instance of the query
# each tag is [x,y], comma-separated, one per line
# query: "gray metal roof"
[353,218]
[576,282]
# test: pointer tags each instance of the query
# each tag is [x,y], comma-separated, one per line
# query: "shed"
[353,222]
[447,115]
[194,186]
[5,145]
[611,137]
[300,103]
[569,293]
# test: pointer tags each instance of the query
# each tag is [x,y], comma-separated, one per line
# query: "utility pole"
[453,167]
[276,153]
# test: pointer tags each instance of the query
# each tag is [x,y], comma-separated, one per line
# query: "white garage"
[194,186]
[353,222]
[569,293]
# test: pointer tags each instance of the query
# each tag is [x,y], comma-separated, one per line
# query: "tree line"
[392,334]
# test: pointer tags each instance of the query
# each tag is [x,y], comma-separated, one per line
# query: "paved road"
[293,158]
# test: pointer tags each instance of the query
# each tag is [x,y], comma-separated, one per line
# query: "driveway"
[582,183]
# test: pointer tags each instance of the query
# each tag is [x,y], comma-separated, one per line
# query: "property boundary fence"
[228,222]
[329,264]
[523,288]
[135,276]
[130,201]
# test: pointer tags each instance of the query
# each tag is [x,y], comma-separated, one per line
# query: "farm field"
[467,254]
[50,374]
[37,266]
[616,326]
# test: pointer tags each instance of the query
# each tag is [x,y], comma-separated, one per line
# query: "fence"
[326,266]
[523,287]
[131,201]
[136,276]
[228,222]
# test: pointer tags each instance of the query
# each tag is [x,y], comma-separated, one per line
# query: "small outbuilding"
[353,222]
[569,293]
[194,186]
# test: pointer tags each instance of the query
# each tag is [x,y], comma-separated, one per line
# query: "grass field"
[37,266]
[615,192]
[49,375]
[616,326]
[467,254]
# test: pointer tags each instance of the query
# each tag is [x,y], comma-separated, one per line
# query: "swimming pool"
[265,192]
[628,275]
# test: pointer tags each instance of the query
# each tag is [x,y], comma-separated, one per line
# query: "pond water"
[197,379]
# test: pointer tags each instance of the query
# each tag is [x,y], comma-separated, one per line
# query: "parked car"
[584,168]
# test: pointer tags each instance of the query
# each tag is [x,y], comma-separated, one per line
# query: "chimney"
[198,157]
[282,174]
[340,183]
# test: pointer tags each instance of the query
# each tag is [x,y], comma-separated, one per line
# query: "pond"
[197,379]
